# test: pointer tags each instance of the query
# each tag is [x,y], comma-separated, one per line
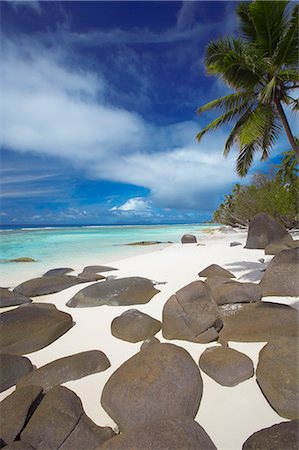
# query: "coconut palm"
[261,67]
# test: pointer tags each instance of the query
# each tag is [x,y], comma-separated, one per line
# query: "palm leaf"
[234,134]
[245,159]
[245,20]
[287,47]
[230,101]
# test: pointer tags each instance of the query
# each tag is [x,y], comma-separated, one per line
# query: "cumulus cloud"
[57,110]
[135,206]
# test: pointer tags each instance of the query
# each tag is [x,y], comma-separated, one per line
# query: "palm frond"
[245,158]
[267,93]
[230,101]
[287,48]
[245,22]
[234,134]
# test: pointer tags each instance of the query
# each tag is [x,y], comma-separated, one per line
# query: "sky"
[98,117]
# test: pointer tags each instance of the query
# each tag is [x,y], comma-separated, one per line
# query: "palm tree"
[287,170]
[262,70]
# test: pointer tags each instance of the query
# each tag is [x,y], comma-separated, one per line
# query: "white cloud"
[53,110]
[135,206]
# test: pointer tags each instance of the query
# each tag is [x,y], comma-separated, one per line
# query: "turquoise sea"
[67,246]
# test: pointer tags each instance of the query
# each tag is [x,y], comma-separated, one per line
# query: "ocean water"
[70,246]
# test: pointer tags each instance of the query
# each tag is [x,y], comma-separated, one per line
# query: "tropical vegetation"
[261,68]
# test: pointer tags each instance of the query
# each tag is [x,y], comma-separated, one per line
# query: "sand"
[228,414]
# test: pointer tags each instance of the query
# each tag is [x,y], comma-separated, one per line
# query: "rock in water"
[277,375]
[31,327]
[162,381]
[14,411]
[66,369]
[120,292]
[264,230]
[58,272]
[8,298]
[47,285]
[190,313]
[226,366]
[59,422]
[282,274]
[165,434]
[13,367]
[188,239]
[281,436]
[214,270]
[258,322]
[225,291]
[134,326]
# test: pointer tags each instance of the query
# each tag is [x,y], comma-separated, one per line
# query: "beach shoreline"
[228,414]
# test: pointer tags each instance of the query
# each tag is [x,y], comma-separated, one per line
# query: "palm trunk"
[287,128]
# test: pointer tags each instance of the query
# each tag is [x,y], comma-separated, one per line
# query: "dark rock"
[13,367]
[281,436]
[277,375]
[146,386]
[188,239]
[58,272]
[97,269]
[59,422]
[228,291]
[149,342]
[282,274]
[262,260]
[264,230]
[15,411]
[166,434]
[89,276]
[8,298]
[134,326]
[148,243]
[47,285]
[31,327]
[258,322]
[120,292]
[66,369]
[22,259]
[190,312]
[235,243]
[276,247]
[214,270]
[226,366]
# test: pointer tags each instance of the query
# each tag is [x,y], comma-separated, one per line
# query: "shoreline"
[228,414]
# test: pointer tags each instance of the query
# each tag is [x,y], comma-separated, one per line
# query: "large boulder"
[281,436]
[161,381]
[258,322]
[15,411]
[264,230]
[276,247]
[226,366]
[31,327]
[120,292]
[214,270]
[188,239]
[66,369]
[190,313]
[8,298]
[135,326]
[58,271]
[229,291]
[277,375]
[47,285]
[282,275]
[13,367]
[166,434]
[59,422]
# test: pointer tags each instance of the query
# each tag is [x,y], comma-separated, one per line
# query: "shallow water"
[54,247]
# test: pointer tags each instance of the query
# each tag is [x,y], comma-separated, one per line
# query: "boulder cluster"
[154,396]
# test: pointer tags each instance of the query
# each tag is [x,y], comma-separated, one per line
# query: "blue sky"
[99,112]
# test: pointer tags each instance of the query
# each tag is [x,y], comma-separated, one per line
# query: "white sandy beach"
[228,414]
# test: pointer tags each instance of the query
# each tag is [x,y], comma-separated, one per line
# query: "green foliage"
[262,70]
[266,193]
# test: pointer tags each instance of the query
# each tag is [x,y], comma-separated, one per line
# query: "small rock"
[188,239]
[8,298]
[262,260]
[226,366]
[281,436]
[65,369]
[97,269]
[89,276]
[215,270]
[235,243]
[13,367]
[58,272]
[134,326]
[22,259]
